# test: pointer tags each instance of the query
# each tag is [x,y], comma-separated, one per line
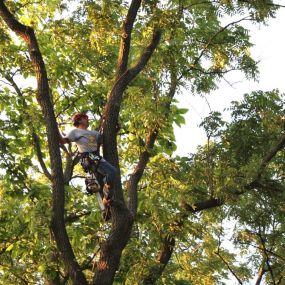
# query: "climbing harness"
[94,181]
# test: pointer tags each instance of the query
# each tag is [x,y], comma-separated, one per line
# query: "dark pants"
[108,171]
[92,163]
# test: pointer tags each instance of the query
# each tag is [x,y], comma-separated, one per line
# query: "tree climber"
[88,143]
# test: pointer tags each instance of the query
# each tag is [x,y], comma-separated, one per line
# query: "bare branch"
[126,37]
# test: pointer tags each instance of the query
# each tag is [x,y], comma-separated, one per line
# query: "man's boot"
[92,184]
[107,193]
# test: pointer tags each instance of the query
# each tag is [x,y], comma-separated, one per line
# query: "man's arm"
[63,140]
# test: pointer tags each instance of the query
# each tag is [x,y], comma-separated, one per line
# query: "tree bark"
[156,271]
[137,174]
[135,177]
[44,99]
[122,219]
[261,273]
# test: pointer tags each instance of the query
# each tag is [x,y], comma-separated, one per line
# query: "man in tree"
[88,143]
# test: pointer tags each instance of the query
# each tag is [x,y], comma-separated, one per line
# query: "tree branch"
[267,259]
[156,270]
[266,160]
[135,177]
[134,71]
[261,272]
[122,219]
[39,153]
[203,205]
[35,137]
[216,202]
[76,216]
[112,107]
[126,37]
[229,267]
[70,164]
[44,99]
[209,43]
[268,4]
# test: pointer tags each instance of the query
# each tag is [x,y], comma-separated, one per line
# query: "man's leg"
[109,172]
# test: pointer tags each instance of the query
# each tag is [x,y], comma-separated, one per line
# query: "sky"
[269,49]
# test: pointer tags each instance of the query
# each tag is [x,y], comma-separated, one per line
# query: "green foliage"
[79,41]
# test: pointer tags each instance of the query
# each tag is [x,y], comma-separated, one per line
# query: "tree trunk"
[57,180]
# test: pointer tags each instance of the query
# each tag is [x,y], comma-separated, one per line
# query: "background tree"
[128,61]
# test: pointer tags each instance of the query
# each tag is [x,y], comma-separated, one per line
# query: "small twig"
[228,266]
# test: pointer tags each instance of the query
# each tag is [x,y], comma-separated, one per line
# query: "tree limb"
[135,177]
[209,43]
[39,153]
[267,259]
[266,160]
[156,270]
[261,272]
[229,267]
[70,164]
[122,219]
[76,216]
[35,137]
[112,107]
[203,205]
[126,37]
[268,4]
[135,70]
[44,99]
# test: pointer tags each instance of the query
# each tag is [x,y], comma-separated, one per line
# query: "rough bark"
[44,99]
[156,271]
[122,220]
[137,174]
[260,275]
[135,177]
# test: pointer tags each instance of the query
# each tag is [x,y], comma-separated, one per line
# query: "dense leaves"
[209,218]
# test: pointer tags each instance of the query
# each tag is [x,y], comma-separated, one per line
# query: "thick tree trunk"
[111,251]
[57,180]
[122,219]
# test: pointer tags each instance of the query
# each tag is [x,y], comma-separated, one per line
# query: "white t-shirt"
[86,141]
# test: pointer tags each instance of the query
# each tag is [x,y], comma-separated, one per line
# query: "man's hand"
[63,140]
